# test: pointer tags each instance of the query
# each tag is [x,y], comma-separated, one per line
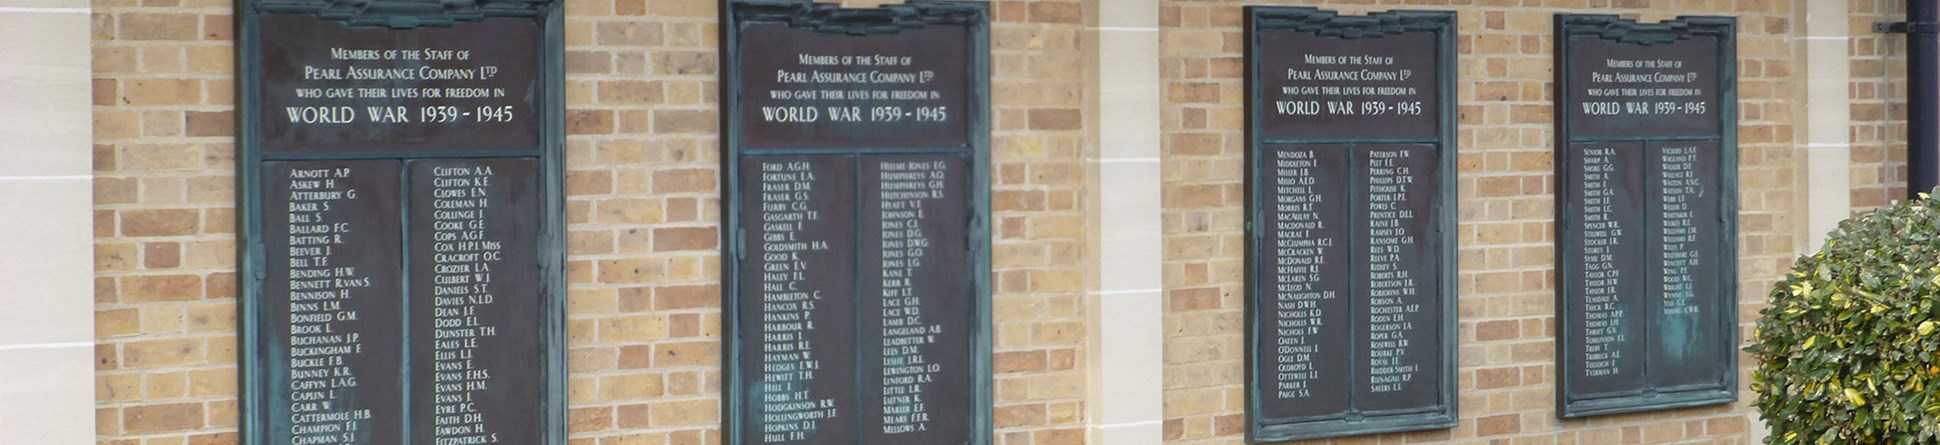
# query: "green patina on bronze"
[1646,191]
[832,120]
[1350,300]
[409,103]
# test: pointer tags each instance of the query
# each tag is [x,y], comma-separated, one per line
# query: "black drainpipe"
[1922,28]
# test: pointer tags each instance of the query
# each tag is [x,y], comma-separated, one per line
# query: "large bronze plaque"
[1647,307]
[857,200]
[1351,288]
[401,223]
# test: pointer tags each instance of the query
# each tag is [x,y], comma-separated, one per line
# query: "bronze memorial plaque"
[857,146]
[1351,266]
[400,221]
[1646,183]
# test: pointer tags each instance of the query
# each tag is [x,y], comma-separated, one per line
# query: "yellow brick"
[676,413]
[161,92]
[158,26]
[162,353]
[162,418]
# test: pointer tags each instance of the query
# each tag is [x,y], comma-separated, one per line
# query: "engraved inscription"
[907,370]
[1609,265]
[1678,187]
[804,89]
[1306,299]
[917,308]
[1348,254]
[1392,291]
[901,333]
[1322,87]
[331,301]
[474,290]
[798,299]
[1400,314]
[1619,89]
[329,87]
[1690,252]
[1644,266]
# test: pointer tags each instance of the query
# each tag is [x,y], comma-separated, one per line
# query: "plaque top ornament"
[1624,30]
[887,19]
[406,14]
[1333,24]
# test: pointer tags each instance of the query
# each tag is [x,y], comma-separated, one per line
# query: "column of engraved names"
[323,341]
[464,261]
[1297,260]
[1392,304]
[1678,229]
[1602,230]
[1687,334]
[789,411]
[906,186]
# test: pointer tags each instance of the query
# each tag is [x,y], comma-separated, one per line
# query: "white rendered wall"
[46,223]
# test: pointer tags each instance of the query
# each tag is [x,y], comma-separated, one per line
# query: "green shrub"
[1847,351]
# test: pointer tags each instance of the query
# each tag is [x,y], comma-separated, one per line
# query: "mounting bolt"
[1906,27]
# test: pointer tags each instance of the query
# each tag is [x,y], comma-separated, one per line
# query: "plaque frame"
[548,151]
[1332,24]
[1621,30]
[974,16]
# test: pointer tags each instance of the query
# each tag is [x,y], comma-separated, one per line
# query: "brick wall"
[1038,216]
[164,222]
[642,207]
[643,218]
[1507,284]
[1878,105]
